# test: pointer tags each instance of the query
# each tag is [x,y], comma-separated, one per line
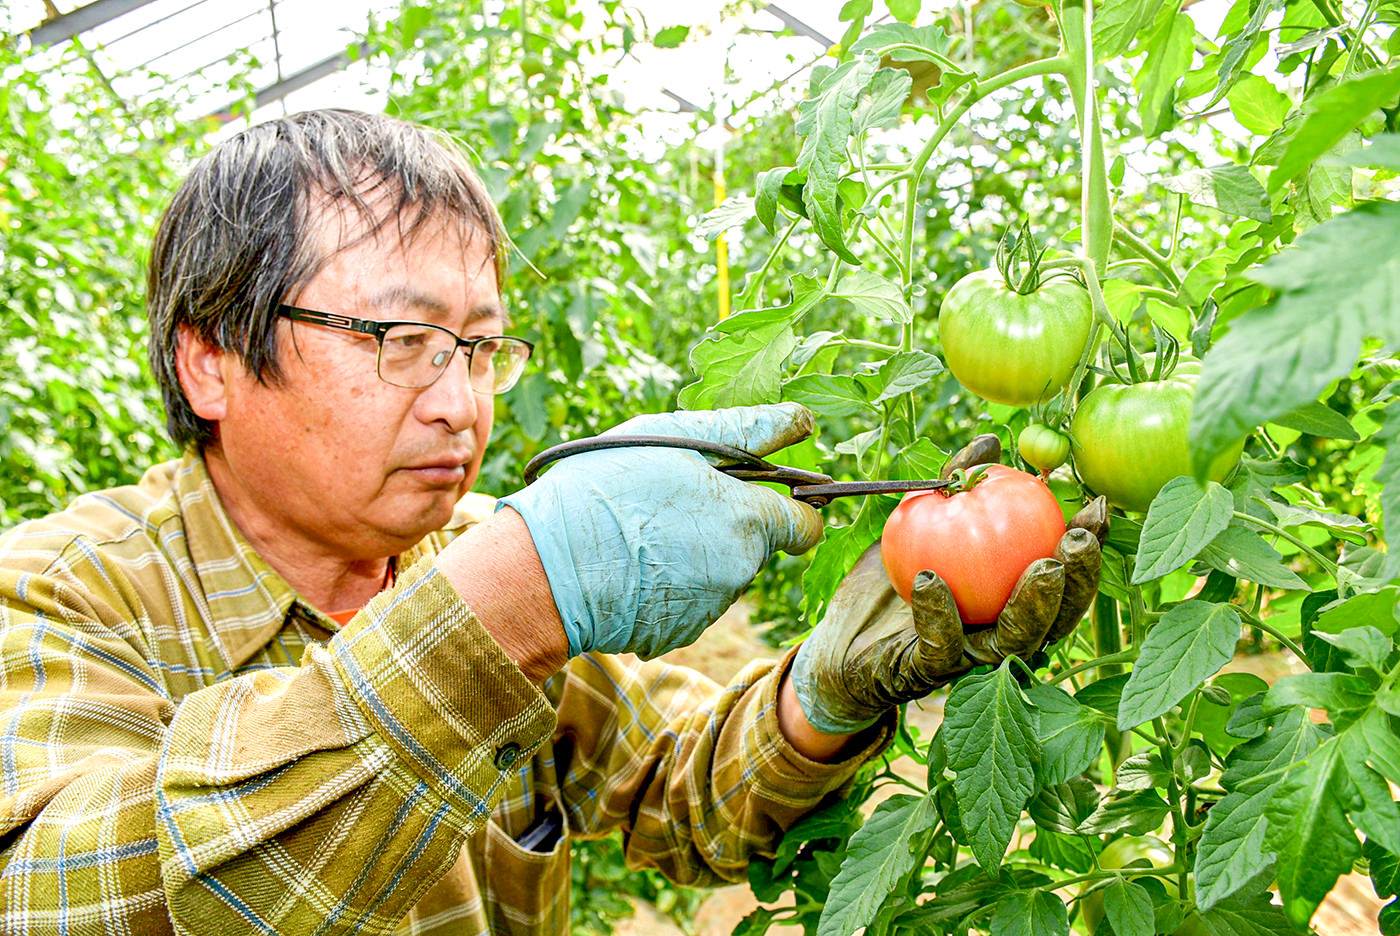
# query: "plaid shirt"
[185,745]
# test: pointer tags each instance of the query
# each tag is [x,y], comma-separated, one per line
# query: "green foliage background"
[613,276]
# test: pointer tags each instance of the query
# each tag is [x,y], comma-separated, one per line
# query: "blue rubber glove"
[644,548]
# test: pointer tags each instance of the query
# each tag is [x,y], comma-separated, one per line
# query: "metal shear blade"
[810,487]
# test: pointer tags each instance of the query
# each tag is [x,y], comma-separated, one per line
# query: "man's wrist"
[496,570]
[801,734]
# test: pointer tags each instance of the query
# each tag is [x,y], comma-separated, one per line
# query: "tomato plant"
[1255,487]
[978,540]
[1131,439]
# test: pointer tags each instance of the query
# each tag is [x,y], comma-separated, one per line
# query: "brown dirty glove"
[871,651]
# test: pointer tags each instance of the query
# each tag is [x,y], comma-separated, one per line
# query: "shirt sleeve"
[698,777]
[328,795]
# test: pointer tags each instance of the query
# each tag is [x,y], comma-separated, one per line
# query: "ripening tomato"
[978,540]
[1009,348]
[1130,439]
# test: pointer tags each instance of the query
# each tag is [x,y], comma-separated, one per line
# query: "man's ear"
[202,369]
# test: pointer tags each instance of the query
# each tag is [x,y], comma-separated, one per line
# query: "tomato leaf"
[1291,737]
[827,395]
[991,730]
[1251,916]
[729,214]
[1231,189]
[1070,734]
[1181,521]
[1128,907]
[875,297]
[1363,647]
[739,369]
[1319,419]
[1239,49]
[879,105]
[880,853]
[1258,105]
[1169,52]
[1188,645]
[901,373]
[1040,913]
[1341,694]
[1330,116]
[741,361]
[1243,553]
[1382,153]
[825,122]
[1230,857]
[1374,811]
[769,193]
[904,10]
[1125,813]
[1343,526]
[1118,22]
[905,43]
[1309,831]
[1064,807]
[1337,281]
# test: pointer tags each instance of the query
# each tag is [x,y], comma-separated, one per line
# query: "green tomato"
[1043,447]
[1130,439]
[1009,348]
[1139,850]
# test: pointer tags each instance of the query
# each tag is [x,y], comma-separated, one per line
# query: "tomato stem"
[1328,565]
[1145,251]
[750,293]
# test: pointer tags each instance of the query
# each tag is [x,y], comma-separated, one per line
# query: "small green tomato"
[1043,447]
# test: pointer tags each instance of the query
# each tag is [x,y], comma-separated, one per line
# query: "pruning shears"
[810,487]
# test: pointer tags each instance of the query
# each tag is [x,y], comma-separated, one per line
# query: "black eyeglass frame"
[379,329]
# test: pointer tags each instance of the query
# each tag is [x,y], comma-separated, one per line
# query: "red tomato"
[979,540]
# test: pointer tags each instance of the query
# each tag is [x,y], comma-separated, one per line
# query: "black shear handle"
[743,465]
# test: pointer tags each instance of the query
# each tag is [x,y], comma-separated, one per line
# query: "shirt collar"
[246,600]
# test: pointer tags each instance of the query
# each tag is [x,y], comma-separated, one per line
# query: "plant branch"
[1145,251]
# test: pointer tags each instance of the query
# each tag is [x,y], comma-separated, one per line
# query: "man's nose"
[451,397]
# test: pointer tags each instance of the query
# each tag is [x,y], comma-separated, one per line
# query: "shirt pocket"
[527,891]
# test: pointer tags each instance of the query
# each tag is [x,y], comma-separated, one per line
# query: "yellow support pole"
[721,247]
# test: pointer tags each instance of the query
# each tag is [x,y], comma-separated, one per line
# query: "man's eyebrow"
[405,296]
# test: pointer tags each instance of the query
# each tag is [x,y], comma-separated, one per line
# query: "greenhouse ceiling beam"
[68,25]
[296,81]
[797,26]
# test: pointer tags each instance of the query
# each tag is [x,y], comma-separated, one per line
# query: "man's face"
[332,455]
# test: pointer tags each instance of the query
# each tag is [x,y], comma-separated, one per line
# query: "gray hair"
[239,237]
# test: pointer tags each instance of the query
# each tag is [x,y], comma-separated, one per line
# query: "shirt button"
[506,755]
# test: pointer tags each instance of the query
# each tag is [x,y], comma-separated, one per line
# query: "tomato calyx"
[1166,354]
[965,479]
[1018,260]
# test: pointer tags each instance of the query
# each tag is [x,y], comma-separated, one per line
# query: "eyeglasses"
[413,355]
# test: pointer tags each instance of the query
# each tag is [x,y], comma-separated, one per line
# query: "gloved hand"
[645,547]
[871,651]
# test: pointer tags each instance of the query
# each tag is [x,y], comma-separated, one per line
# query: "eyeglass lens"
[415,355]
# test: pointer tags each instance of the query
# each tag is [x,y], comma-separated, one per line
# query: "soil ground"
[1350,910]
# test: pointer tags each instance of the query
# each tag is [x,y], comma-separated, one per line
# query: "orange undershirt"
[390,574]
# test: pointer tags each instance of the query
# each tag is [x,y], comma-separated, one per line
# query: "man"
[293,683]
